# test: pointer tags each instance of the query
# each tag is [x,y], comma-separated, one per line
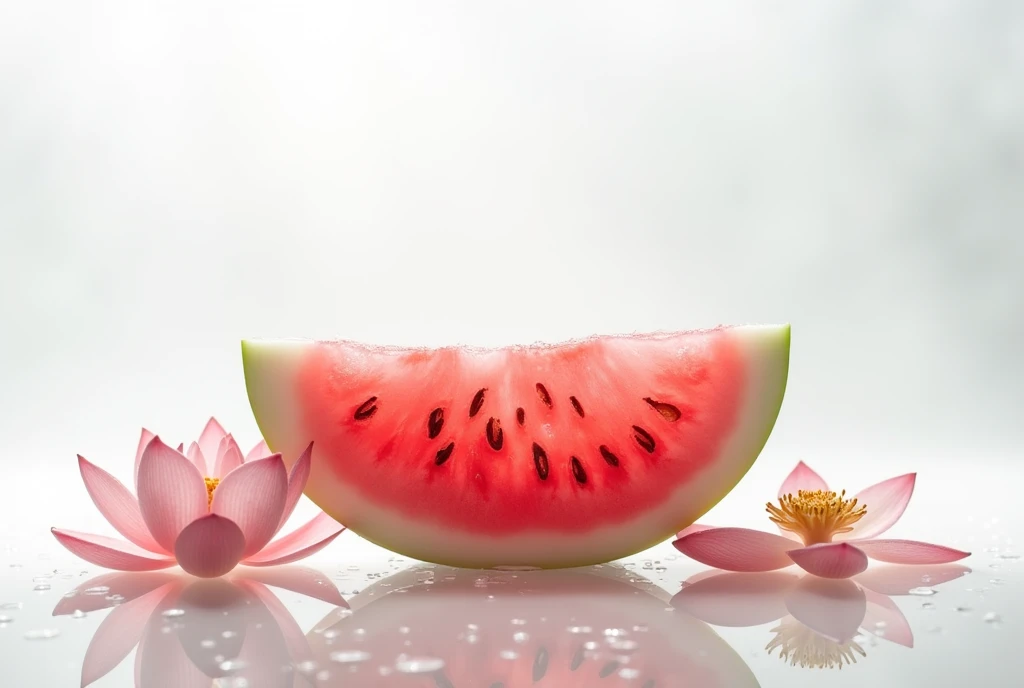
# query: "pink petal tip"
[885,502]
[209,546]
[910,552]
[737,549]
[110,553]
[830,560]
[802,477]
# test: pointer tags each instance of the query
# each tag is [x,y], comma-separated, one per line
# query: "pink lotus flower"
[192,632]
[818,620]
[837,534]
[207,512]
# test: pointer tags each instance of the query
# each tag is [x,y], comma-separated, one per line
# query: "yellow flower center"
[211,485]
[816,515]
[800,646]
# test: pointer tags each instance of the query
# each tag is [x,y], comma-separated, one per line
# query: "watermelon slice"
[543,456]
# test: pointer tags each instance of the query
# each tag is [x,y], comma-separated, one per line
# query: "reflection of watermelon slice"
[540,456]
[433,627]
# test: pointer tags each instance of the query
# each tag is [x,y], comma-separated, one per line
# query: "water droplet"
[622,645]
[307,667]
[240,682]
[580,629]
[232,665]
[629,674]
[4,619]
[404,630]
[992,618]
[1008,557]
[996,581]
[518,622]
[349,656]
[508,654]
[419,665]
[42,587]
[11,605]
[207,644]
[385,670]
[228,634]
[927,605]
[963,609]
[42,634]
[590,645]
[520,637]
[42,579]
[78,614]
[322,676]
[614,632]
[115,598]
[173,613]
[98,590]
[922,591]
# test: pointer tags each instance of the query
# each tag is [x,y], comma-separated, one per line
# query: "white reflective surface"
[653,620]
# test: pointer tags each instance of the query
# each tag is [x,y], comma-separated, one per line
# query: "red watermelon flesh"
[544,455]
[441,628]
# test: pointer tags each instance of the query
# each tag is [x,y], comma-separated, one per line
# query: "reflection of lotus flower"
[190,631]
[800,646]
[819,620]
[837,534]
[206,512]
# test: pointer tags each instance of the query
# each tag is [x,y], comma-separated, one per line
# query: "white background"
[177,176]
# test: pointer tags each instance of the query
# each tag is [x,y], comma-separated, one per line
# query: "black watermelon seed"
[542,392]
[608,456]
[478,401]
[435,422]
[366,409]
[577,659]
[540,461]
[576,406]
[495,435]
[643,438]
[608,669]
[578,471]
[667,411]
[520,416]
[540,664]
[441,681]
[444,453]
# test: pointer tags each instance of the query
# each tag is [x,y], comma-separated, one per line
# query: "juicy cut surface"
[556,438]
